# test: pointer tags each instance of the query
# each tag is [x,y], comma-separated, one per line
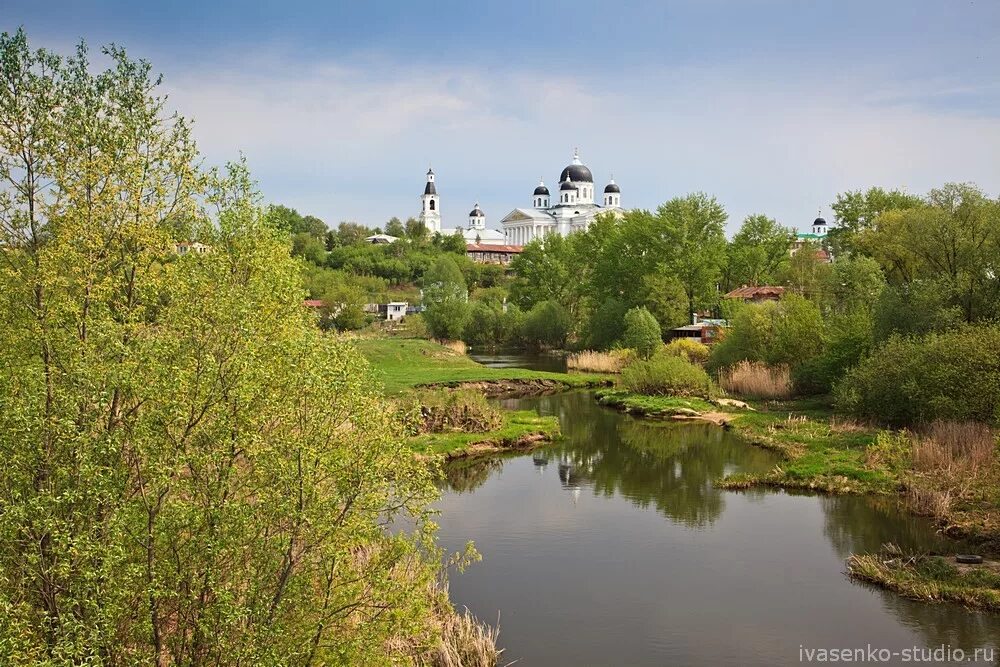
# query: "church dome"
[566,185]
[477,212]
[612,187]
[819,222]
[429,189]
[577,171]
[541,189]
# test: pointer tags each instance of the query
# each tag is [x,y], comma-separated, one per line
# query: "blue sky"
[773,106]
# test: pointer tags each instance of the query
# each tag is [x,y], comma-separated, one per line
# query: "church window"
[432,204]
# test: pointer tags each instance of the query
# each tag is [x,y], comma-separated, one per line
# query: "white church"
[573,210]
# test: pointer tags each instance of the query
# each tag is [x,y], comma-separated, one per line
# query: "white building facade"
[572,209]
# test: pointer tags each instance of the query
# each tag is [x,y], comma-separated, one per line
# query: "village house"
[492,254]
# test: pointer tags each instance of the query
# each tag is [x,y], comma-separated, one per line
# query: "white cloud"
[352,141]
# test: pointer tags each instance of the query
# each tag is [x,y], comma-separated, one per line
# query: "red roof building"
[756,294]
[485,253]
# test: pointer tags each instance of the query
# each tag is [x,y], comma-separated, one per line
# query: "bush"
[547,325]
[786,332]
[664,374]
[951,376]
[692,350]
[607,324]
[461,410]
[756,380]
[642,332]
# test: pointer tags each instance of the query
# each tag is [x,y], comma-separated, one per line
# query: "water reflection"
[613,546]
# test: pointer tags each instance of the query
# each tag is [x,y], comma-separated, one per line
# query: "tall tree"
[690,233]
[758,252]
[857,211]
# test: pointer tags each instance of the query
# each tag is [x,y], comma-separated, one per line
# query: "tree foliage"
[642,332]
[193,472]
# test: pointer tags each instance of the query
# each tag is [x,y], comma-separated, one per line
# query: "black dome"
[429,189]
[612,187]
[477,212]
[578,173]
[541,190]
[819,221]
[566,185]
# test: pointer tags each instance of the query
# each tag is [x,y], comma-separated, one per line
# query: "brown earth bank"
[511,388]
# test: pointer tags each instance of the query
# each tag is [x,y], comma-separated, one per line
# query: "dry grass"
[756,380]
[465,642]
[839,425]
[598,362]
[454,345]
[952,463]
[955,448]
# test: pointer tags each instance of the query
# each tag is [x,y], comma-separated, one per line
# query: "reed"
[592,361]
[966,449]
[757,380]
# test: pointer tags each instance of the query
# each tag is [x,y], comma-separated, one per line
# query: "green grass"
[929,578]
[653,406]
[819,453]
[404,363]
[514,433]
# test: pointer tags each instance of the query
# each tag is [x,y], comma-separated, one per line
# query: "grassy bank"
[821,452]
[521,430]
[654,406]
[405,363]
[930,578]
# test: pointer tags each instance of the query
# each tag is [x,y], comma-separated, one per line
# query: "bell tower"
[430,211]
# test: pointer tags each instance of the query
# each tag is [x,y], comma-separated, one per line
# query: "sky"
[772,106]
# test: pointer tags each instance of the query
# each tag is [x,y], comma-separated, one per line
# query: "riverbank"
[406,363]
[522,430]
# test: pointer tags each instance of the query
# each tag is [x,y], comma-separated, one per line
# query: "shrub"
[951,376]
[787,332]
[547,325]
[461,410]
[664,374]
[598,362]
[607,324]
[757,380]
[642,332]
[692,350]
[850,339]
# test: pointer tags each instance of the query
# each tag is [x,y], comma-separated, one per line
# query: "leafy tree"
[642,332]
[692,238]
[294,223]
[547,325]
[807,272]
[788,332]
[446,299]
[156,410]
[309,248]
[857,211]
[917,308]
[607,324]
[351,233]
[416,230]
[665,298]
[545,273]
[758,252]
[454,243]
[395,228]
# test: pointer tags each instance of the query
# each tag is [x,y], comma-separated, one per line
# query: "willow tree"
[192,472]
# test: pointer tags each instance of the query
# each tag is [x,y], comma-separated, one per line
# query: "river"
[613,547]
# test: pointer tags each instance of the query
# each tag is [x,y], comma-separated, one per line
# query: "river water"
[613,547]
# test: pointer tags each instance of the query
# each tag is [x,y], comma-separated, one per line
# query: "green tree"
[446,300]
[351,233]
[416,230]
[692,238]
[758,252]
[642,332]
[545,272]
[857,211]
[395,228]
[607,324]
[193,473]
[547,325]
